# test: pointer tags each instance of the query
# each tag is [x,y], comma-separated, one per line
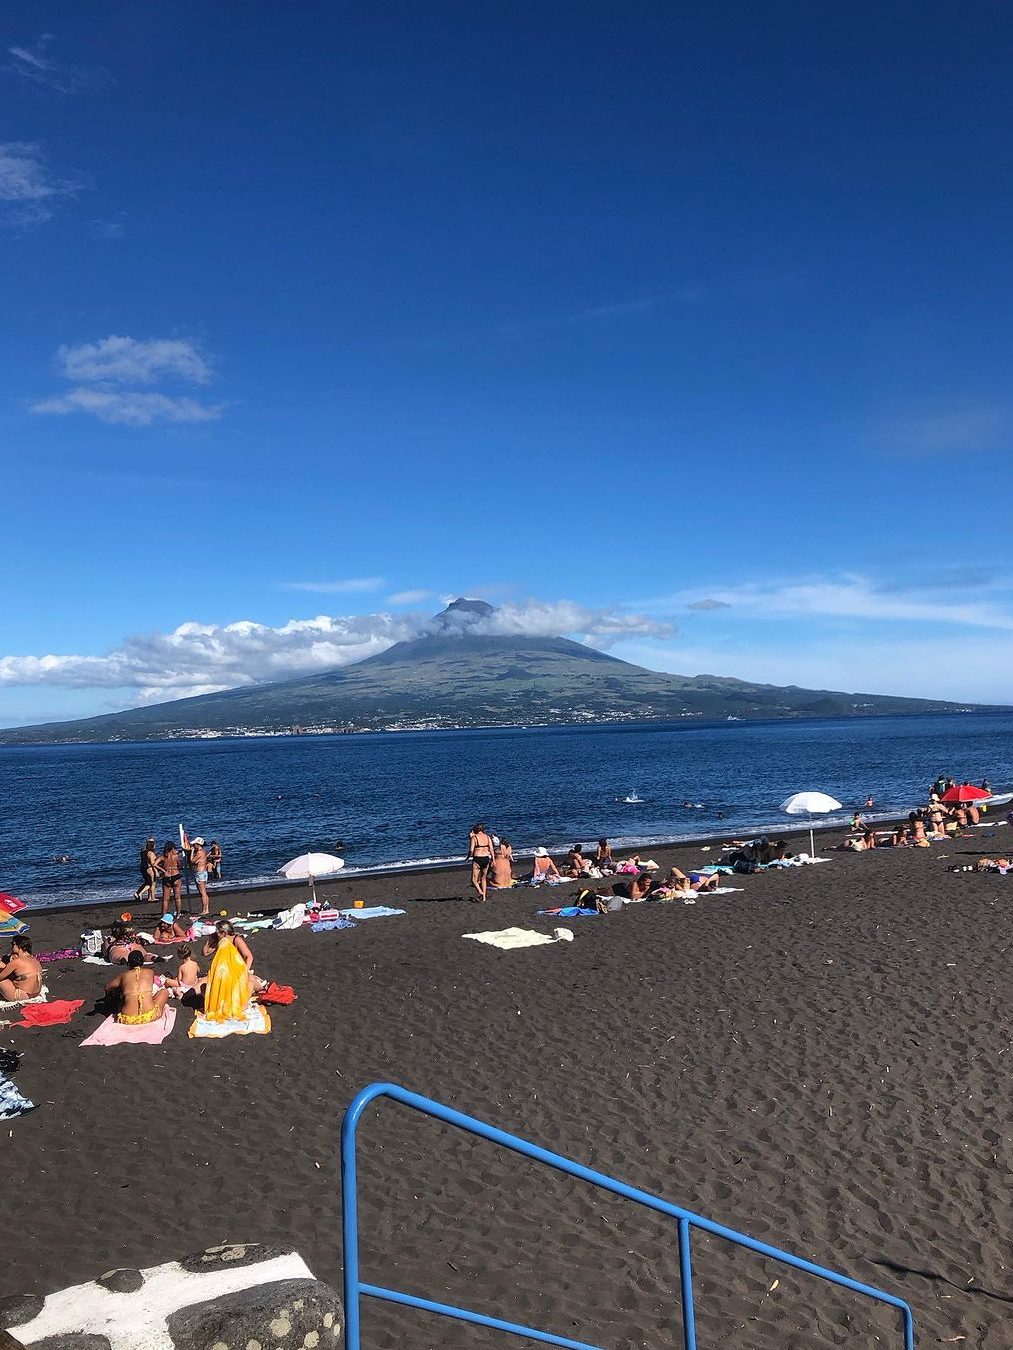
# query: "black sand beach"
[819,1060]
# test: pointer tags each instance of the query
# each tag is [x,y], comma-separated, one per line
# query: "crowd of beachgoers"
[599,881]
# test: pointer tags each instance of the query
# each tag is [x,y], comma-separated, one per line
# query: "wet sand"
[819,1059]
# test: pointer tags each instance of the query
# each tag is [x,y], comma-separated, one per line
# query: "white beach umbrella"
[810,804]
[309,866]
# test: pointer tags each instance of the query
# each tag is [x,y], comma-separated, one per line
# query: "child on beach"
[188,978]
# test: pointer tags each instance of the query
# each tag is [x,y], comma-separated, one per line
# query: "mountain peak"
[460,614]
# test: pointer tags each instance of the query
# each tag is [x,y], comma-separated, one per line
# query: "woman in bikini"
[21,977]
[150,866]
[480,851]
[172,886]
[135,988]
[544,868]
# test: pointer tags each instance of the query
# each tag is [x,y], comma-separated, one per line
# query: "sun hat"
[541,852]
[199,840]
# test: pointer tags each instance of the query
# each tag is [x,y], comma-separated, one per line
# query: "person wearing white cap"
[199,865]
[544,866]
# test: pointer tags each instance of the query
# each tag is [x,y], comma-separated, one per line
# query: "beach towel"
[328,925]
[509,939]
[40,997]
[277,993]
[95,961]
[67,954]
[572,912]
[111,1032]
[290,918]
[255,1021]
[49,1014]
[721,890]
[369,912]
[10,904]
[12,1103]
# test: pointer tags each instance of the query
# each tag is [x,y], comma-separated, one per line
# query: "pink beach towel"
[111,1032]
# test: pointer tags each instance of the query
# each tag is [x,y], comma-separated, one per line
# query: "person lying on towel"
[21,977]
[121,943]
[135,988]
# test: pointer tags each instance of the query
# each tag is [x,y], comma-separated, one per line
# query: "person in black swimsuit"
[172,885]
[480,850]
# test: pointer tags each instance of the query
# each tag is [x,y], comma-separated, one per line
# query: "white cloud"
[200,657]
[29,192]
[537,618]
[850,597]
[107,229]
[409,597]
[130,407]
[125,360]
[960,430]
[348,587]
[102,366]
[37,66]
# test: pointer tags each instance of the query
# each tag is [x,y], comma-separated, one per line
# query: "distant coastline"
[8,735]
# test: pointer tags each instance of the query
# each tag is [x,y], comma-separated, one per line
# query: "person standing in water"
[480,851]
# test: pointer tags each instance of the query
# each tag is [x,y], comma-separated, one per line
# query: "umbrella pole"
[812,844]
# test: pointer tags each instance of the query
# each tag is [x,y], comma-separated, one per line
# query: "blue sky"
[684,329]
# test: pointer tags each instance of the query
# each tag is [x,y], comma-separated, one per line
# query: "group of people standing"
[165,871]
[492,863]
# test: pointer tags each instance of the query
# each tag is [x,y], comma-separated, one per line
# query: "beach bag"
[745,866]
[91,942]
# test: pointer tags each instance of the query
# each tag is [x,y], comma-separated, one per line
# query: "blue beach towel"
[370,912]
[328,925]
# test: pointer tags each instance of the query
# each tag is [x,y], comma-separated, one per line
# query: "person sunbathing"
[188,979]
[635,888]
[696,881]
[576,864]
[135,988]
[603,855]
[121,943]
[993,865]
[544,867]
[502,867]
[21,977]
[230,982]
[165,930]
[901,837]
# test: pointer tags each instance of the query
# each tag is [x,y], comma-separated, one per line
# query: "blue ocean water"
[390,799]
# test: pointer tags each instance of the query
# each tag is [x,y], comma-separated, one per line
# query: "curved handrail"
[686,1220]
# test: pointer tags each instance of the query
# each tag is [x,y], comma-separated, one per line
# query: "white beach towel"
[290,918]
[40,997]
[508,939]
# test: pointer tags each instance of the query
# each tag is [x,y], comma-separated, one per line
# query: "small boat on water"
[632,799]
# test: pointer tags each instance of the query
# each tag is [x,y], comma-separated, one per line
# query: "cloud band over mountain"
[199,658]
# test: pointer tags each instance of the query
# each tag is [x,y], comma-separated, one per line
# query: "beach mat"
[12,1103]
[509,939]
[111,1032]
[24,1002]
[257,1022]
[370,912]
[48,1014]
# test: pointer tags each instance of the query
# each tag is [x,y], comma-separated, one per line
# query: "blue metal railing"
[355,1288]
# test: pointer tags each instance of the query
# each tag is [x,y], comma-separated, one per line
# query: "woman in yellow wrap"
[230,983]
